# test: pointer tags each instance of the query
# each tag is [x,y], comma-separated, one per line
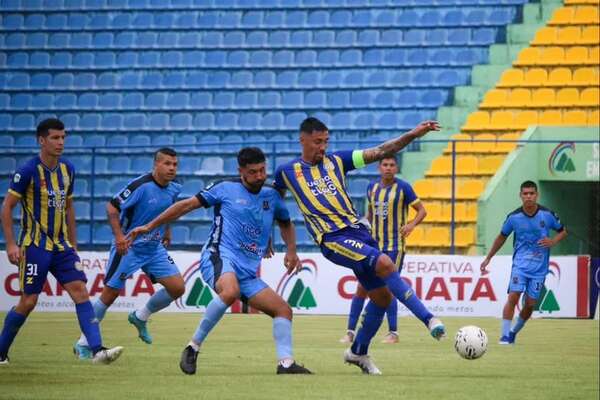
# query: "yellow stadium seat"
[585,77]
[586,15]
[576,55]
[472,212]
[495,98]
[524,119]
[594,118]
[441,166]
[594,56]
[511,77]
[470,189]
[543,97]
[464,236]
[501,120]
[461,147]
[576,2]
[551,56]
[590,97]
[590,35]
[559,77]
[505,147]
[550,118]
[442,188]
[434,211]
[466,165]
[519,98]
[477,120]
[567,97]
[544,36]
[460,211]
[528,56]
[575,118]
[484,147]
[562,16]
[446,215]
[437,237]
[568,35]
[490,164]
[535,77]
[424,188]
[416,238]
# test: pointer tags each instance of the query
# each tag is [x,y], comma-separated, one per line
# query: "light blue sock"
[505,327]
[518,325]
[99,309]
[282,333]
[214,312]
[159,300]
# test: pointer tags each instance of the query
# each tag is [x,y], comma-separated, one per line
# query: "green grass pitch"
[553,359]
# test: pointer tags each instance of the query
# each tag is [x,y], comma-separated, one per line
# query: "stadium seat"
[180,234]
[464,236]
[416,238]
[102,234]
[575,118]
[437,237]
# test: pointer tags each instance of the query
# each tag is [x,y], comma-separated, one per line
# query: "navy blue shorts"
[37,262]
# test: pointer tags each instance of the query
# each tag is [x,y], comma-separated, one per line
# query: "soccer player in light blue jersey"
[531,225]
[138,203]
[317,180]
[244,211]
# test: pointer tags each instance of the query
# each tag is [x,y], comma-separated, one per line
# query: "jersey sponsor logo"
[241,201]
[324,186]
[296,289]
[381,208]
[17,178]
[250,247]
[252,231]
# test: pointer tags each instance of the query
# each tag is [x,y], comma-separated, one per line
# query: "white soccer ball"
[470,342]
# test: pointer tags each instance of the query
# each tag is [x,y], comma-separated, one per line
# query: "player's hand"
[425,127]
[546,242]
[406,230]
[269,251]
[14,254]
[122,245]
[166,240]
[292,262]
[483,267]
[135,232]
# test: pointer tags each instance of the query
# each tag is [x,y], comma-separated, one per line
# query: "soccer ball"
[470,342]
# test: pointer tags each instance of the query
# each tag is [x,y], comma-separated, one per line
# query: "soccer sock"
[282,333]
[213,314]
[355,309]
[505,327]
[405,294]
[12,323]
[89,324]
[518,325]
[392,315]
[370,324]
[157,302]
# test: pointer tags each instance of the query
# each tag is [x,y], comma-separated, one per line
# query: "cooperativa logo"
[560,159]
[198,293]
[296,288]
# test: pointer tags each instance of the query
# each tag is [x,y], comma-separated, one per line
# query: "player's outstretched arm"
[498,243]
[393,146]
[170,214]
[12,250]
[288,234]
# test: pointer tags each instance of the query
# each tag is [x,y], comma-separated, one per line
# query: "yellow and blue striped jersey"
[43,193]
[388,211]
[320,190]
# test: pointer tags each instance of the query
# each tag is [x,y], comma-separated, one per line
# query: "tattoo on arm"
[392,146]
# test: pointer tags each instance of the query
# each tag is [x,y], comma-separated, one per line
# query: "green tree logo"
[200,295]
[301,296]
[547,301]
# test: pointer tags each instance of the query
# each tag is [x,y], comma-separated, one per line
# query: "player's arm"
[288,234]
[550,242]
[498,243]
[167,236]
[12,250]
[421,214]
[114,221]
[169,215]
[393,146]
[71,227]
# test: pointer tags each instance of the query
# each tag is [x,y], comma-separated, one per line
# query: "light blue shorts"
[520,283]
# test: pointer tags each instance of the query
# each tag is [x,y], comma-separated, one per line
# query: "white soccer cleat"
[363,362]
[348,337]
[4,361]
[436,328]
[106,356]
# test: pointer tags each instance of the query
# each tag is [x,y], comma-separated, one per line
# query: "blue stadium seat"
[118,184]
[102,234]
[23,122]
[87,101]
[112,121]
[7,164]
[485,36]
[180,234]
[162,140]
[84,81]
[156,121]
[184,139]
[459,37]
[38,81]
[135,121]
[191,186]
[119,165]
[188,165]
[249,121]
[212,166]
[82,210]
[20,101]
[6,141]
[181,121]
[272,121]
[80,40]
[65,101]
[101,164]
[200,234]
[117,141]
[132,101]
[156,101]
[63,80]
[141,164]
[204,120]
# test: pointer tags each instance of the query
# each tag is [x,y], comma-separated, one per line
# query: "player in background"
[138,203]
[388,199]
[244,210]
[531,224]
[317,181]
[47,241]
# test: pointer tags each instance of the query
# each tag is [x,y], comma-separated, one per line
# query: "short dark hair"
[250,155]
[529,184]
[43,128]
[166,151]
[312,124]
[389,157]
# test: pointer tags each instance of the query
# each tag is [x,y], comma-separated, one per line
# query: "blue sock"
[355,309]
[392,315]
[370,324]
[99,309]
[12,324]
[505,327]
[407,296]
[89,324]
[213,314]
[159,300]
[519,323]
[282,333]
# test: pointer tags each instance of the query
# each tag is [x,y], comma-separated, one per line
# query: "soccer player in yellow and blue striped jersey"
[47,242]
[317,180]
[388,200]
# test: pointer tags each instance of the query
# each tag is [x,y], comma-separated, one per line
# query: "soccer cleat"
[141,327]
[188,360]
[106,356]
[436,328]
[292,369]
[390,338]
[348,337]
[363,362]
[82,352]
[508,340]
[4,360]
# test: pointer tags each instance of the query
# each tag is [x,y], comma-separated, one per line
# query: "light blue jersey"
[529,258]
[242,221]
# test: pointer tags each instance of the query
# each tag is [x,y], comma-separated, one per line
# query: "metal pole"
[92,190]
[453,197]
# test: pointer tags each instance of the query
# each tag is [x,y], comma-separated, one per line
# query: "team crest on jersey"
[265,205]
[17,178]
[542,224]
[329,166]
[298,174]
